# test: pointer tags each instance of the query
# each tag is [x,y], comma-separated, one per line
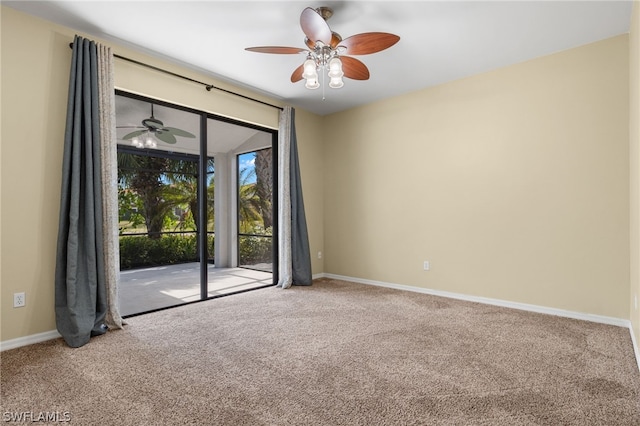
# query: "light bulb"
[335,67]
[336,82]
[150,143]
[309,69]
[137,143]
[312,83]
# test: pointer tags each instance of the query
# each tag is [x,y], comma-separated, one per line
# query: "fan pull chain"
[323,82]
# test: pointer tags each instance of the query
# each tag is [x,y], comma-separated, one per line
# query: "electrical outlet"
[426,265]
[19,300]
[319,255]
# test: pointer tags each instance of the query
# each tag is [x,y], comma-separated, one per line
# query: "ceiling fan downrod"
[325,11]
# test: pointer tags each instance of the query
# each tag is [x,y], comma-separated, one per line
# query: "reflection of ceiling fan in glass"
[153,127]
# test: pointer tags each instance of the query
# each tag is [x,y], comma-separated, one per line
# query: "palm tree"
[161,184]
[248,212]
[264,187]
[183,191]
[142,174]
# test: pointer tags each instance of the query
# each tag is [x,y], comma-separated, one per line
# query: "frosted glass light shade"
[310,69]
[312,83]
[336,82]
[335,68]
[150,142]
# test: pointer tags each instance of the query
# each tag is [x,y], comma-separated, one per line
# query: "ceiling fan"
[327,50]
[153,127]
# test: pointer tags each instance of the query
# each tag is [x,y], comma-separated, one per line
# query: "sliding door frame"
[202,191]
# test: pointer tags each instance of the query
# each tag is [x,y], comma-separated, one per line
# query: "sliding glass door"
[237,194]
[179,228]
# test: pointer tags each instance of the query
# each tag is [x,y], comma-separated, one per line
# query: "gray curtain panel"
[80,292]
[294,258]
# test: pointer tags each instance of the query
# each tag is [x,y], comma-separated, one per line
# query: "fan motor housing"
[325,11]
[152,123]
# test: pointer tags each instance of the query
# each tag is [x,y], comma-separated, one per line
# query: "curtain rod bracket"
[209,87]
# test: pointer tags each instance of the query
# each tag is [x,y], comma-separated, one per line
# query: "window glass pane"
[255,210]
[158,151]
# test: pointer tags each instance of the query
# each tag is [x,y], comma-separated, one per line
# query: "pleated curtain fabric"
[109,173]
[81,289]
[294,257]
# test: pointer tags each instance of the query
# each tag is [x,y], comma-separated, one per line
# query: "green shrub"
[141,251]
[255,250]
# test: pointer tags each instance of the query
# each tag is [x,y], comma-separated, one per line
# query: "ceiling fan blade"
[354,68]
[134,134]
[276,49]
[366,43]
[178,132]
[310,44]
[166,137]
[130,127]
[314,26]
[335,39]
[297,74]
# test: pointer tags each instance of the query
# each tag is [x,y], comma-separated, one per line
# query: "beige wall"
[634,157]
[309,128]
[514,184]
[35,75]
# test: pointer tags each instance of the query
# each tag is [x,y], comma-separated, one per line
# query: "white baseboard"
[636,348]
[488,301]
[29,340]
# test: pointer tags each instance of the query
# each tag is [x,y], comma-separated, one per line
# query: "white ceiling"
[440,41]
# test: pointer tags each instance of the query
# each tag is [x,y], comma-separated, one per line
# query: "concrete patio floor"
[143,290]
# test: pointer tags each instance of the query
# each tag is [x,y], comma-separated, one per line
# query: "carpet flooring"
[335,353]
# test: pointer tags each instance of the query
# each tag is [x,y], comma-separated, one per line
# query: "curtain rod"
[206,85]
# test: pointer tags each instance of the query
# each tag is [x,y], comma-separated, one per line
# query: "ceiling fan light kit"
[326,51]
[144,141]
[153,130]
